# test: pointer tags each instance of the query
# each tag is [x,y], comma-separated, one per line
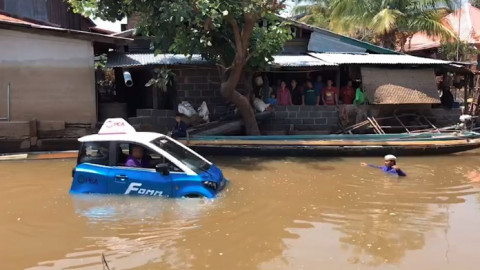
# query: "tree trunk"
[244,107]
[389,41]
[232,76]
[247,83]
[227,89]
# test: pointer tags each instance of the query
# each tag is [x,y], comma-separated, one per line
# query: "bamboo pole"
[401,123]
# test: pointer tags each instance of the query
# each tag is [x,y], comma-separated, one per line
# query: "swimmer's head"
[390,160]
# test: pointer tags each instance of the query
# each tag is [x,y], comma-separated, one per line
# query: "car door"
[91,175]
[136,180]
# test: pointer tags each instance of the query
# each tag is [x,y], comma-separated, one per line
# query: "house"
[464,23]
[47,75]
[55,13]
[389,79]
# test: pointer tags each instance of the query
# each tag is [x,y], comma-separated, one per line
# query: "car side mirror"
[162,168]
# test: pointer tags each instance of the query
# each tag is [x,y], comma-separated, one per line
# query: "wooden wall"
[59,13]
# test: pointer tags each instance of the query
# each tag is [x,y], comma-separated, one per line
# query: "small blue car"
[110,163]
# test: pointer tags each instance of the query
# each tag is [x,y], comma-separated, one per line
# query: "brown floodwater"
[281,213]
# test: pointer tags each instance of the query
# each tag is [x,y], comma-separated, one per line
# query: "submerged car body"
[174,170]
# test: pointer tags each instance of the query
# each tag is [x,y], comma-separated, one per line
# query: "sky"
[112,26]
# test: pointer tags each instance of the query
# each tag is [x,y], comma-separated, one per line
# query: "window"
[33,9]
[182,154]
[95,153]
[124,151]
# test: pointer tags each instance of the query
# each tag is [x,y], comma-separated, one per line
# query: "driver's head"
[137,152]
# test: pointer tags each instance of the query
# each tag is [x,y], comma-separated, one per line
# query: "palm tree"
[386,22]
[392,21]
[316,13]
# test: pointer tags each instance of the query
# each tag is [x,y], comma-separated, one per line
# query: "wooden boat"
[337,145]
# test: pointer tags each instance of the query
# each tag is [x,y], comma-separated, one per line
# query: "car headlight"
[210,184]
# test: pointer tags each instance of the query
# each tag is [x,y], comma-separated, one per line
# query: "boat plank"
[329,142]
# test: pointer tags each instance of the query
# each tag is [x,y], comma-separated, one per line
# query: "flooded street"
[283,213]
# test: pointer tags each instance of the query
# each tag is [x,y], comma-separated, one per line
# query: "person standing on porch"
[297,93]
[330,94]
[319,86]
[283,95]
[310,95]
[347,93]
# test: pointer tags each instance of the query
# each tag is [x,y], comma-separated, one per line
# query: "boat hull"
[370,145]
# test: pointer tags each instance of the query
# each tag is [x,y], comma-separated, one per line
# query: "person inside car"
[137,158]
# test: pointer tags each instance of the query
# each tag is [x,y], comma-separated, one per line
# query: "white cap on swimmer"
[390,157]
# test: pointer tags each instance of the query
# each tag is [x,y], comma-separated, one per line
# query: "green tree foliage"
[475,3]
[386,22]
[234,34]
[466,52]
[316,13]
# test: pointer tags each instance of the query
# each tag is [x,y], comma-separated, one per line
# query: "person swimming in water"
[389,167]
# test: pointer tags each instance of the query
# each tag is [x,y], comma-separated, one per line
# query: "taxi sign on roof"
[116,126]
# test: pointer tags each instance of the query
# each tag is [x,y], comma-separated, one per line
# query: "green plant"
[385,22]
[101,62]
[465,51]
[161,79]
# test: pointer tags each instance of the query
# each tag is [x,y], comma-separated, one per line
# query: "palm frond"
[386,21]
[301,9]
[436,4]
[431,24]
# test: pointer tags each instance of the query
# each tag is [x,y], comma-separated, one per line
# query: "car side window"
[154,158]
[94,153]
[123,151]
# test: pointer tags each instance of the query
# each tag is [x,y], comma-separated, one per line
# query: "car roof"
[140,137]
[117,129]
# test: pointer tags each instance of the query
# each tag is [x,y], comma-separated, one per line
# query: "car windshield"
[182,154]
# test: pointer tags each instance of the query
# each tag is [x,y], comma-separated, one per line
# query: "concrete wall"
[161,121]
[51,78]
[303,118]
[196,84]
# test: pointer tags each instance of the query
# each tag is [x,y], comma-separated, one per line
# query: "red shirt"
[284,97]
[348,95]
[330,95]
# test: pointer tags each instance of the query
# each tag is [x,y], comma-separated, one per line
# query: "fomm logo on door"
[135,187]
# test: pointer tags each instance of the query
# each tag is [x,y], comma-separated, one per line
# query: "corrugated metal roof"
[144,59]
[12,23]
[323,43]
[299,61]
[348,40]
[376,59]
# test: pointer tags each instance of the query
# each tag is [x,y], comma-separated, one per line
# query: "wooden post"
[465,93]
[337,79]
[155,97]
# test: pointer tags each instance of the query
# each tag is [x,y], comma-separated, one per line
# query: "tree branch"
[250,55]
[247,31]
[229,42]
[236,33]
